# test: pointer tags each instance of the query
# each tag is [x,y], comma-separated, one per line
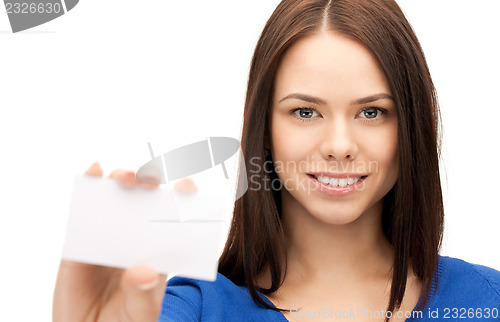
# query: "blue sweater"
[465,292]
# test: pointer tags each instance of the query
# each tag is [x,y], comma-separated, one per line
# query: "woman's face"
[333,117]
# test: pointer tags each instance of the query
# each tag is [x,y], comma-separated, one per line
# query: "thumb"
[143,291]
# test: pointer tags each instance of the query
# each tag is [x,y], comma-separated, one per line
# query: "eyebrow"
[319,101]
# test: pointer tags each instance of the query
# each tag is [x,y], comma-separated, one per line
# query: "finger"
[149,176]
[150,185]
[185,185]
[94,170]
[124,177]
[127,178]
[143,290]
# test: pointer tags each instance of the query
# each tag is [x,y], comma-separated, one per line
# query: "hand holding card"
[117,223]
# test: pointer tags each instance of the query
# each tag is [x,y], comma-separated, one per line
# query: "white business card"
[121,227]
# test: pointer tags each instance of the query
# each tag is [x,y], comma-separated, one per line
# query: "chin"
[335,217]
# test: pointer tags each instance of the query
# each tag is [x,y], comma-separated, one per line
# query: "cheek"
[287,142]
[383,149]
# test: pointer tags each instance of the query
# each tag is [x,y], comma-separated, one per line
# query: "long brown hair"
[413,215]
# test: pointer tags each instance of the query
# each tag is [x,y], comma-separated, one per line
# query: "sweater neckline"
[437,275]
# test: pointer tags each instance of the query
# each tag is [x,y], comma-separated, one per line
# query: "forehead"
[330,66]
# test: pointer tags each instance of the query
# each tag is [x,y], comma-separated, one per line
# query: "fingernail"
[149,286]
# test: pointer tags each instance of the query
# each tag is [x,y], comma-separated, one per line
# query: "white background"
[102,80]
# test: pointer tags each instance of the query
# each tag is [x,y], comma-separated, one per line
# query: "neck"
[325,252]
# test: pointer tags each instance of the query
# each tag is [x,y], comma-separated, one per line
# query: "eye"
[304,113]
[372,112]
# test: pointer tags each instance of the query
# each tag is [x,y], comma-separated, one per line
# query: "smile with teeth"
[337,182]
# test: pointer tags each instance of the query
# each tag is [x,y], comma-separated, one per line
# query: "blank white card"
[121,227]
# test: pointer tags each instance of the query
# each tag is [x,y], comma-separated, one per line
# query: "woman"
[343,217]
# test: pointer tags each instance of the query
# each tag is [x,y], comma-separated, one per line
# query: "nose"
[338,141]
